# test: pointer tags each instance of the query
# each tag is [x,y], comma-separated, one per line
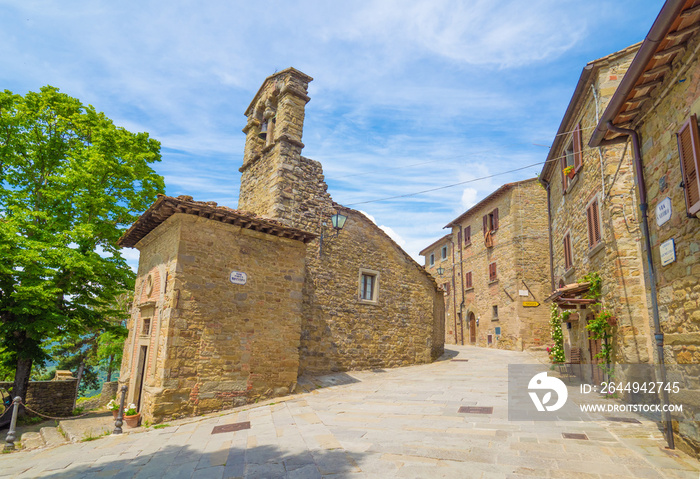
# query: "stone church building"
[232,305]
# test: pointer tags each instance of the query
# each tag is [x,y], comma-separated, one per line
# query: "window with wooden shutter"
[593,218]
[468,280]
[494,220]
[568,261]
[447,288]
[467,236]
[459,238]
[486,224]
[492,272]
[578,147]
[689,150]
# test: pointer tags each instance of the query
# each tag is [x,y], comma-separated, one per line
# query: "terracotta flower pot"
[115,414]
[612,320]
[132,421]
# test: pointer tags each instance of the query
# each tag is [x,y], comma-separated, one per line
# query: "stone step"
[32,440]
[52,436]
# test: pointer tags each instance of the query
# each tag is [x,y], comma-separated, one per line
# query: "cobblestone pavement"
[380,424]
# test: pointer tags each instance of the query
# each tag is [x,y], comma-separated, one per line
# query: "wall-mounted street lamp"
[338,222]
[440,270]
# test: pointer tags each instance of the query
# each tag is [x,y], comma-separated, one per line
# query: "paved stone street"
[381,424]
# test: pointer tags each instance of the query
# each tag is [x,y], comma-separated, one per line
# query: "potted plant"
[113,406]
[569,171]
[131,416]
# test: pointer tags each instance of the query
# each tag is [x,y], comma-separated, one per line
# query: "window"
[468,280]
[495,312]
[467,236]
[369,285]
[493,276]
[689,151]
[491,221]
[459,239]
[568,261]
[432,259]
[573,156]
[146,329]
[593,216]
[443,253]
[446,286]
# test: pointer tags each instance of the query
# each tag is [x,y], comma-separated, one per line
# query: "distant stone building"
[496,270]
[232,305]
[439,262]
[659,102]
[595,224]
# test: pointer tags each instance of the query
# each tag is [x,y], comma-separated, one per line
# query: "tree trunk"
[81,368]
[109,368]
[21,385]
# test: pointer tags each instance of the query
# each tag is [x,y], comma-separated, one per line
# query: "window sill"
[467,245]
[367,301]
[466,290]
[596,249]
[494,319]
[493,282]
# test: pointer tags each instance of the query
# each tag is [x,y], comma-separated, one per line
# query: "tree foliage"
[71,182]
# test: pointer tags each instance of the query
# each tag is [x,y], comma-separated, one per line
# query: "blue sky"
[407,95]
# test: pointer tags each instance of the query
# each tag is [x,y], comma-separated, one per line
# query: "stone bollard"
[120,415]
[10,439]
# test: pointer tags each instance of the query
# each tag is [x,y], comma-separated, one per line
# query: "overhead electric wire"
[454,184]
[334,178]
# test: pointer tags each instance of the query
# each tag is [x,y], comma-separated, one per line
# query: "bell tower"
[276,181]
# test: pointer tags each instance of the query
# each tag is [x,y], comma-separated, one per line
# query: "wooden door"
[141,373]
[472,328]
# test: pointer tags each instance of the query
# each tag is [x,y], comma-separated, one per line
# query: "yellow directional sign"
[530,304]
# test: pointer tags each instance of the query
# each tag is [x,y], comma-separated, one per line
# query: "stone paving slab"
[401,423]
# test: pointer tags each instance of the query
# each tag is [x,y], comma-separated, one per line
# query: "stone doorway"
[472,328]
[595,346]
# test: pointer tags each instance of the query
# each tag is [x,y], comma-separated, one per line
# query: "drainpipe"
[546,185]
[643,206]
[461,281]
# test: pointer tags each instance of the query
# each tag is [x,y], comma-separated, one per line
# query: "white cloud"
[469,196]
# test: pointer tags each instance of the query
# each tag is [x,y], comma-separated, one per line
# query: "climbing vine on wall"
[556,352]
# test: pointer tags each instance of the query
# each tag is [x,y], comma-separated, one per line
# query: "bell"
[263,130]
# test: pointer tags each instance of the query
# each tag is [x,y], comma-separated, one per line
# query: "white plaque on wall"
[238,277]
[663,211]
[523,292]
[668,252]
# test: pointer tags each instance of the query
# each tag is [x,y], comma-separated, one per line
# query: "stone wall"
[678,282]
[227,343]
[52,398]
[340,331]
[520,253]
[606,176]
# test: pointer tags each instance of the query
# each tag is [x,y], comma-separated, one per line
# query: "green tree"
[70,183]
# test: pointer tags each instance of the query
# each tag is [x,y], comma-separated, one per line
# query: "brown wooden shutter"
[468,280]
[486,224]
[564,178]
[689,150]
[447,288]
[578,148]
[492,272]
[567,252]
[494,226]
[467,235]
[590,225]
[596,222]
[459,239]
